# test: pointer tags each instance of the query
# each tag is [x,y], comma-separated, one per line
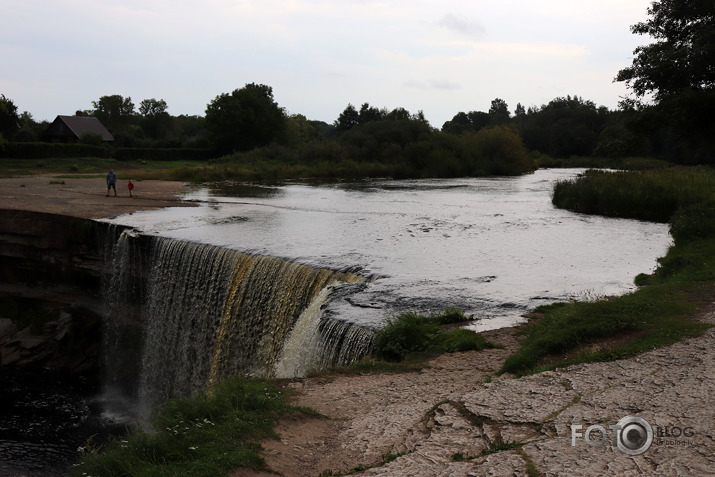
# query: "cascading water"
[206,313]
[318,342]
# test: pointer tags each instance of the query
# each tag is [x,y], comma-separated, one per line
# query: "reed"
[653,195]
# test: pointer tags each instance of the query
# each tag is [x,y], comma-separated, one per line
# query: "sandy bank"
[85,197]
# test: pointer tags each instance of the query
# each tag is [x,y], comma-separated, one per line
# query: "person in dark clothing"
[111,182]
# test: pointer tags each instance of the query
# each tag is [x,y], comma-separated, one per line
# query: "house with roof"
[69,129]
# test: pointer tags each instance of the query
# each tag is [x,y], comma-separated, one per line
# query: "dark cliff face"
[51,274]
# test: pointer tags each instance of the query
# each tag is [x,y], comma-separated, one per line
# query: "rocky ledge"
[51,271]
[456,418]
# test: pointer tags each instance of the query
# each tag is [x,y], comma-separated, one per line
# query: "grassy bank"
[410,333]
[90,166]
[660,312]
[653,195]
[207,435]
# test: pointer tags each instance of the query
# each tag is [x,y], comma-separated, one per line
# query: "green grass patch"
[69,167]
[207,435]
[369,366]
[500,446]
[622,163]
[410,333]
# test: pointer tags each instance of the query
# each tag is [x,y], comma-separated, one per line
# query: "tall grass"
[653,195]
[655,315]
[206,435]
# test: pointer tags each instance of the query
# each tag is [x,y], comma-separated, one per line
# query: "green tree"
[9,120]
[472,121]
[499,112]
[30,130]
[370,113]
[566,126]
[114,111]
[152,107]
[155,120]
[244,119]
[677,69]
[348,119]
[301,130]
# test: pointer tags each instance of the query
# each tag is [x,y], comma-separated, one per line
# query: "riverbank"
[85,197]
[441,420]
[456,418]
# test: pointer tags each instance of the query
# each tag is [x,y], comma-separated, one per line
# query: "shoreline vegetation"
[274,168]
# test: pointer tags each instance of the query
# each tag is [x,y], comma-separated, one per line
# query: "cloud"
[465,27]
[433,84]
[444,84]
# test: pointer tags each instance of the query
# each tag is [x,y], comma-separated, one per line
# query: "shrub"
[460,339]
[410,333]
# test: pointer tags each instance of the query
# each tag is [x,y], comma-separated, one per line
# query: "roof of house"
[79,125]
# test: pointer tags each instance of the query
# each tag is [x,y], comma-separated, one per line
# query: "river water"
[494,247]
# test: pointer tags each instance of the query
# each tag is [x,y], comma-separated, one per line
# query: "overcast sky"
[441,57]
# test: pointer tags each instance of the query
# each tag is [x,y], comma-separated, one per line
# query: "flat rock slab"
[456,418]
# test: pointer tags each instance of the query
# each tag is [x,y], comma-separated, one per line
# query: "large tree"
[244,119]
[9,120]
[155,120]
[677,70]
[115,111]
[499,112]
[152,107]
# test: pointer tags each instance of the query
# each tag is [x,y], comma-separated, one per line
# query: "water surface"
[494,247]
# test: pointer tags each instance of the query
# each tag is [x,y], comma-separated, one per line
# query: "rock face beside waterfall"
[51,270]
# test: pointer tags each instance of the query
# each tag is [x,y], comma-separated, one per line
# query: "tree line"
[668,116]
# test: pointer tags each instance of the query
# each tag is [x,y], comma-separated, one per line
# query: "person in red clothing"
[130,186]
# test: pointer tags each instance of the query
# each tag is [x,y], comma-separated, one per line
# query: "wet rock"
[7,329]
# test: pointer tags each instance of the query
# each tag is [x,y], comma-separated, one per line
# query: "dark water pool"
[45,417]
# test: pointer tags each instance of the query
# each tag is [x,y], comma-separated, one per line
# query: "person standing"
[130,186]
[111,182]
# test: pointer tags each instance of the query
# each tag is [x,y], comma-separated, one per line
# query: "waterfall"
[185,315]
[123,297]
[318,342]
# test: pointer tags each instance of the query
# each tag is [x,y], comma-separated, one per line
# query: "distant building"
[69,129]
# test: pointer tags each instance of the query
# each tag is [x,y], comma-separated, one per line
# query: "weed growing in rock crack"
[501,446]
[459,457]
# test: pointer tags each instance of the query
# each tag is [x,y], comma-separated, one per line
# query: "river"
[494,247]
